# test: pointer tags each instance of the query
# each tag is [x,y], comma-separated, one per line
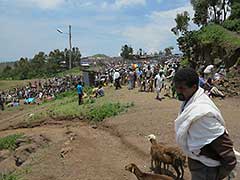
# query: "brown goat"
[167,155]
[145,176]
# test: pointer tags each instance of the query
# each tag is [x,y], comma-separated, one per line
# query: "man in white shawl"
[200,130]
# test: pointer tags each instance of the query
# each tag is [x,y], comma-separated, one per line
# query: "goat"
[167,155]
[145,176]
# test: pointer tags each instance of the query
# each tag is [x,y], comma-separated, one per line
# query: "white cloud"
[122,3]
[118,4]
[43,4]
[157,33]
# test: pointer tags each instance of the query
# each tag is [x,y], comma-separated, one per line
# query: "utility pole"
[70,46]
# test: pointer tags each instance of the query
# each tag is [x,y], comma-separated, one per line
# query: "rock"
[94,126]
[64,151]
[22,153]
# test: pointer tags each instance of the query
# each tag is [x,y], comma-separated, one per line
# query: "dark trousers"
[199,171]
[79,99]
[2,106]
[117,83]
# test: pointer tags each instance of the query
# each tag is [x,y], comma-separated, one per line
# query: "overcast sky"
[98,26]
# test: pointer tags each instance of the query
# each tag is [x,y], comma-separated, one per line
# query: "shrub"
[9,142]
[232,25]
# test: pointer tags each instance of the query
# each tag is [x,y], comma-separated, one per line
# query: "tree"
[127,52]
[168,51]
[201,12]
[7,72]
[182,23]
[76,56]
[235,13]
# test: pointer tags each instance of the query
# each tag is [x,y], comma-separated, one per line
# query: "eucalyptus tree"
[126,52]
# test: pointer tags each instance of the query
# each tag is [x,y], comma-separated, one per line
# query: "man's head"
[186,83]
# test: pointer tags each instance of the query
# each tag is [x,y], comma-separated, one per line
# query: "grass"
[109,109]
[9,142]
[73,71]
[65,106]
[10,176]
[217,34]
[8,84]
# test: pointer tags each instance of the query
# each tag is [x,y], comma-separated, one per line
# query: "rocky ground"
[76,150]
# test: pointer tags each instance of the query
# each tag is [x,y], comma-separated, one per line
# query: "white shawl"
[199,106]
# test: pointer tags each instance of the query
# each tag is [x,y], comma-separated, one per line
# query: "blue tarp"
[30,100]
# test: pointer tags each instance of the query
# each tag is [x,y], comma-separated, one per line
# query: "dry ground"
[91,152]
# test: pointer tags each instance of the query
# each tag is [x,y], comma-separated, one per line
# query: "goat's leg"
[177,171]
[152,164]
[182,169]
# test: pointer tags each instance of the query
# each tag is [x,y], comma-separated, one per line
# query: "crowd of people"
[37,91]
[150,77]
[146,76]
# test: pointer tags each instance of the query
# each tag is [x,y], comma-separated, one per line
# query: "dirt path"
[101,153]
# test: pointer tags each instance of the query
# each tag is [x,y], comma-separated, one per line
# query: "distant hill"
[100,56]
[4,64]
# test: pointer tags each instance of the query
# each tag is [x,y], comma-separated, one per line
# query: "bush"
[9,142]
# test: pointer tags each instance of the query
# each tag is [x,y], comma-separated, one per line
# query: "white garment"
[199,124]
[208,69]
[116,75]
[159,81]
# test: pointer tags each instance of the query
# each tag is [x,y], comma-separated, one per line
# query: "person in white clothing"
[208,71]
[159,82]
[116,79]
[200,130]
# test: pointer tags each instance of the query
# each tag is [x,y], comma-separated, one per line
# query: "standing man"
[1,102]
[200,130]
[159,80]
[80,92]
[116,79]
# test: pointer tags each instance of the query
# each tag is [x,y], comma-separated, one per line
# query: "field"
[79,148]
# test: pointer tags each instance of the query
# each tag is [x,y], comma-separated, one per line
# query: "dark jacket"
[221,149]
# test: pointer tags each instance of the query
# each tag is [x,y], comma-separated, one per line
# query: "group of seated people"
[209,86]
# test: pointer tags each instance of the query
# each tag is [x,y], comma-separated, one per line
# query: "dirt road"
[80,151]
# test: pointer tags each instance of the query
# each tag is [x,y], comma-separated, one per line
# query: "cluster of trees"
[127,52]
[41,65]
[207,43]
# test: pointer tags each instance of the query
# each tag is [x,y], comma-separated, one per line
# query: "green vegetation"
[10,176]
[73,71]
[217,34]
[217,41]
[8,84]
[41,65]
[100,56]
[232,25]
[65,106]
[9,142]
[97,114]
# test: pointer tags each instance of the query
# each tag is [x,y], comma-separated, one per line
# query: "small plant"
[9,142]
[10,176]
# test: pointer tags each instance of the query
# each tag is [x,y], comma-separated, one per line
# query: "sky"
[98,26]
